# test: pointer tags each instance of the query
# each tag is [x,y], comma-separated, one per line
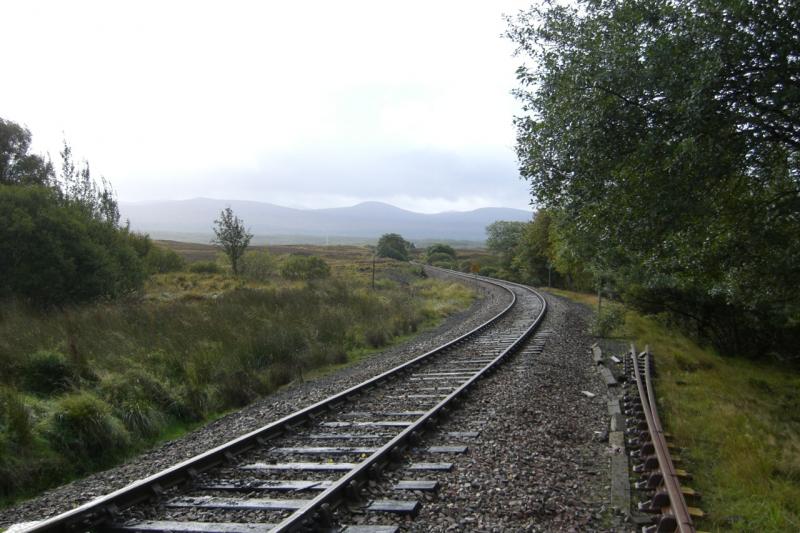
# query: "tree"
[441,255]
[665,136]
[17,165]
[231,236]
[53,253]
[60,240]
[502,238]
[394,246]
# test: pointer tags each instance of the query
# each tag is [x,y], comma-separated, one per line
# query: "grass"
[738,420]
[120,376]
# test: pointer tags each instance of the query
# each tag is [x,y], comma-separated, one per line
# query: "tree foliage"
[394,246]
[231,236]
[17,165]
[665,137]
[503,236]
[54,253]
[60,239]
[441,255]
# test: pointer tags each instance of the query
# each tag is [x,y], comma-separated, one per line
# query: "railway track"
[660,480]
[293,474]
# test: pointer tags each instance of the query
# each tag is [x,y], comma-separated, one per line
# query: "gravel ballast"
[260,413]
[541,461]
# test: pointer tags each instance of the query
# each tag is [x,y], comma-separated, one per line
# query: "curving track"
[293,474]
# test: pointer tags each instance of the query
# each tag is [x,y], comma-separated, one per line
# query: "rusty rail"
[658,469]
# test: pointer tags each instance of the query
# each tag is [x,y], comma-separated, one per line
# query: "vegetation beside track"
[86,386]
[738,420]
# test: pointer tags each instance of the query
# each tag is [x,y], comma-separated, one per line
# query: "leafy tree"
[232,237]
[60,240]
[52,254]
[17,165]
[77,186]
[503,238]
[666,138]
[439,248]
[394,246]
[441,255]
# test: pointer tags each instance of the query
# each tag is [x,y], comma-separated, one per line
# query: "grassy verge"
[84,387]
[739,421]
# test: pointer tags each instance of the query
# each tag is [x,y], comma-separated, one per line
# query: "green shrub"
[139,400]
[441,255]
[376,337]
[54,252]
[15,418]
[160,260]
[489,271]
[238,387]
[393,246]
[82,427]
[304,267]
[205,267]
[258,266]
[441,260]
[47,372]
[610,318]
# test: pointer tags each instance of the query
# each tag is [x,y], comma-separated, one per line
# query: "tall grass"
[116,376]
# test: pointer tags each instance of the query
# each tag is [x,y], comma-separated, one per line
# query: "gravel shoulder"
[258,414]
[542,460]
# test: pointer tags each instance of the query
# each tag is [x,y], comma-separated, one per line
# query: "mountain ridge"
[365,220]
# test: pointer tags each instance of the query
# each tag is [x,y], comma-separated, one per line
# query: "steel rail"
[318,510]
[674,511]
[100,510]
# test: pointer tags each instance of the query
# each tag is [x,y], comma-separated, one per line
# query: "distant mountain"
[365,221]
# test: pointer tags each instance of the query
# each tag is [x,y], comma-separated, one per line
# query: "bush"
[393,246]
[205,267]
[441,260]
[489,271]
[82,427]
[54,252]
[160,260]
[441,255]
[139,400]
[239,387]
[47,372]
[258,266]
[376,337]
[611,317]
[15,419]
[305,267]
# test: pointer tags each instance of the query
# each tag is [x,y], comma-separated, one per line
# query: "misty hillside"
[193,219]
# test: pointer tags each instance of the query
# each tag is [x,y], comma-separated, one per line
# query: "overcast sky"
[305,104]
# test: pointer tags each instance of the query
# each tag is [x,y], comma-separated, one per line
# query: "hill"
[191,220]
